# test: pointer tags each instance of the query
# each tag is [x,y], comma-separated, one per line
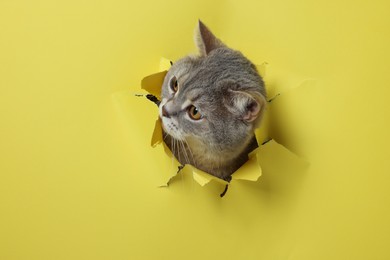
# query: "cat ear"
[248,105]
[205,40]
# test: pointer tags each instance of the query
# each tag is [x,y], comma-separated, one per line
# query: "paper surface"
[79,177]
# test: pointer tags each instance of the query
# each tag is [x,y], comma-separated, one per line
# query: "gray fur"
[228,92]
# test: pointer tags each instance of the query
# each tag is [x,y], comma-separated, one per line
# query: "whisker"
[180,161]
[191,162]
[184,152]
[173,151]
[190,151]
[177,150]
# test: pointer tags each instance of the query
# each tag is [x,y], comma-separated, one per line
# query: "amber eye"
[194,113]
[173,84]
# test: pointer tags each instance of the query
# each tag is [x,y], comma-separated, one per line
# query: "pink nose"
[164,112]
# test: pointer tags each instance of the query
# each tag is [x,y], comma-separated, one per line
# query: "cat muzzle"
[165,112]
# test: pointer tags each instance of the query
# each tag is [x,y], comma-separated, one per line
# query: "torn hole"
[249,171]
[150,84]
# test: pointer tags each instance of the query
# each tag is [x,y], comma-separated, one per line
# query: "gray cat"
[211,105]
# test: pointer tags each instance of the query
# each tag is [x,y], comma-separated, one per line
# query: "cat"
[211,104]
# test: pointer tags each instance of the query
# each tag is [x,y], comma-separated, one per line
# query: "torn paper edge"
[201,177]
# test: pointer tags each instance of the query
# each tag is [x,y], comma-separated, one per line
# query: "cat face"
[213,100]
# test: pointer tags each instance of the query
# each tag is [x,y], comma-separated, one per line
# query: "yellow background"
[74,183]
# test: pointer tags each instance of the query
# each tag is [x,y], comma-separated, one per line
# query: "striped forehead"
[191,94]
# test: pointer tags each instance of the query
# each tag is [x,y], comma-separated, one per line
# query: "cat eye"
[173,84]
[194,113]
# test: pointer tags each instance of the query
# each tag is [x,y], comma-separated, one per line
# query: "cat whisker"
[176,154]
[180,161]
[189,149]
[184,152]
[192,161]
[173,151]
[165,135]
[176,149]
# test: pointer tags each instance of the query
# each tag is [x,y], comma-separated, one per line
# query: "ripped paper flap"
[250,171]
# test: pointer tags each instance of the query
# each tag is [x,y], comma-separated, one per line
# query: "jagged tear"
[250,171]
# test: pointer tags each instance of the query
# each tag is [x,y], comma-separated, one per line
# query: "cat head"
[216,98]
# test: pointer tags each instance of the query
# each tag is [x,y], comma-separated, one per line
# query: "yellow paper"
[152,83]
[79,178]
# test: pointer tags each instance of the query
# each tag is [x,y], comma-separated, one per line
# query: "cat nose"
[164,112]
